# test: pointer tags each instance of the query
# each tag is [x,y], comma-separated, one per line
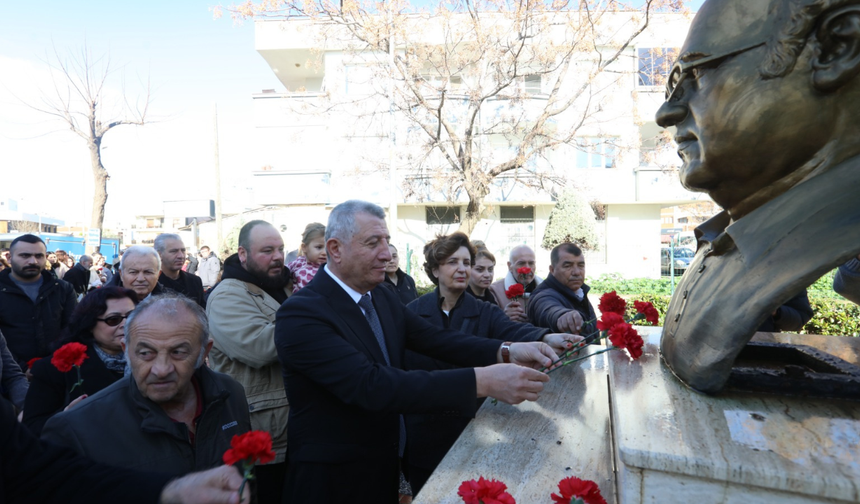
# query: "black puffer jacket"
[120,427]
[30,327]
[552,299]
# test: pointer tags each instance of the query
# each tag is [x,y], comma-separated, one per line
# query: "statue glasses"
[681,69]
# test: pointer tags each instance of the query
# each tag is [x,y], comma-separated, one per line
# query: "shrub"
[833,315]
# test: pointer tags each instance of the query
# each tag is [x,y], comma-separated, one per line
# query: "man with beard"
[34,306]
[172,251]
[241,313]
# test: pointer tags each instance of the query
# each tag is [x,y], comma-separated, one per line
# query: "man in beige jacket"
[241,313]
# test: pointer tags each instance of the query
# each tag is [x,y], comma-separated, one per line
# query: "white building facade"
[337,131]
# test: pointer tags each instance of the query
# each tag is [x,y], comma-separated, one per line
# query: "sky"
[192,62]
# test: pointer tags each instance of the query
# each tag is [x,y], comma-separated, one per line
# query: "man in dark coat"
[561,301]
[34,471]
[79,276]
[173,414]
[34,306]
[172,251]
[342,341]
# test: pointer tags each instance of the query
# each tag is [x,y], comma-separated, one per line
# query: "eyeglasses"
[114,320]
[681,69]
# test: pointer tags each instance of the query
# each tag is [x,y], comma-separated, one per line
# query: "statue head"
[765,94]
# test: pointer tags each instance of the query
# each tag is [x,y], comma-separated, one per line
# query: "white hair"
[140,250]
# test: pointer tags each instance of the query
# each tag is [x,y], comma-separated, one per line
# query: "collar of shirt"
[354,294]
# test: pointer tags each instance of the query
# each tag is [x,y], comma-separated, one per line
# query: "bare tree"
[82,99]
[488,88]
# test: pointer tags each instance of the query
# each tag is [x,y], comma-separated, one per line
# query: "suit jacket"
[744,270]
[345,402]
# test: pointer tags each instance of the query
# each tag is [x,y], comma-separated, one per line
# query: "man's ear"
[333,250]
[243,255]
[838,52]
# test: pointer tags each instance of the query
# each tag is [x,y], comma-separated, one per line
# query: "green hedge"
[833,314]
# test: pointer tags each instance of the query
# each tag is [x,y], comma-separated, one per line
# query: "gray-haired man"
[173,414]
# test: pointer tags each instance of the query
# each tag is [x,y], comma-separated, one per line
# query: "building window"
[655,63]
[683,220]
[443,215]
[532,84]
[517,214]
[595,152]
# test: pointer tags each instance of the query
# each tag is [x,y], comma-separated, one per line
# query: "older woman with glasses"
[448,263]
[98,322]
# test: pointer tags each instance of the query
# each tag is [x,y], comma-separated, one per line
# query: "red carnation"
[68,356]
[485,492]
[575,488]
[624,336]
[525,270]
[515,291]
[609,319]
[612,302]
[251,447]
[31,362]
[647,309]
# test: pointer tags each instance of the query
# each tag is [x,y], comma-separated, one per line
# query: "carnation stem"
[579,346]
[577,359]
[80,381]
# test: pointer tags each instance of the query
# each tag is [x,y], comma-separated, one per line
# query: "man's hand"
[510,383]
[215,486]
[75,402]
[516,312]
[534,354]
[570,322]
[561,342]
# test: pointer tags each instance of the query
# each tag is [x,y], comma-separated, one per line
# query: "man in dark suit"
[342,343]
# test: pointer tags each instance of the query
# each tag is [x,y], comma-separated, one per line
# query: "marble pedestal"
[673,445]
[532,446]
[645,438]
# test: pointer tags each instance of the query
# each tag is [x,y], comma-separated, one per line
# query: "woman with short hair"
[448,263]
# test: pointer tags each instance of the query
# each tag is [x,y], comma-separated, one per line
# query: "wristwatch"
[506,352]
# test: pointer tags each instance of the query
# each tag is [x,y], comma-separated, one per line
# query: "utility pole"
[392,172]
[219,246]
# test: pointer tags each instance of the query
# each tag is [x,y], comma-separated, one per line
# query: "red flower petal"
[514,291]
[485,491]
[647,309]
[573,487]
[611,302]
[609,319]
[253,447]
[68,356]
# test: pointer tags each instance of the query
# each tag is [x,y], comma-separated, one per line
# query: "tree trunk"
[474,209]
[100,178]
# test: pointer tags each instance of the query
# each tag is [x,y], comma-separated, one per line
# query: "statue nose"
[670,114]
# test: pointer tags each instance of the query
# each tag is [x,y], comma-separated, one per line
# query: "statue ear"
[838,49]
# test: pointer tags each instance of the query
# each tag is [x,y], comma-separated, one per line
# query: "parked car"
[682,255]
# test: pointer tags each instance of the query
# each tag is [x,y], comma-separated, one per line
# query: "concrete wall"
[632,241]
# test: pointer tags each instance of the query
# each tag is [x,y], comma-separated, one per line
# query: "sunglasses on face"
[114,320]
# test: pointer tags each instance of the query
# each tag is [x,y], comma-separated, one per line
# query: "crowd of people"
[362,384]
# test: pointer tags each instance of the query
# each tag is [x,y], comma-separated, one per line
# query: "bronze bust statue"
[765,97]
